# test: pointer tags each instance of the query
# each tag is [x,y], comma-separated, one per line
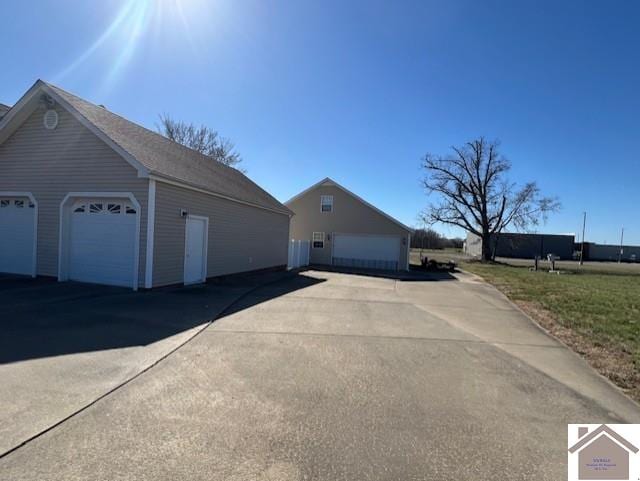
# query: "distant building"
[525,246]
[609,252]
[347,231]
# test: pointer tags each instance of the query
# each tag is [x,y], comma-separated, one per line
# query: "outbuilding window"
[107,208]
[326,203]
[318,240]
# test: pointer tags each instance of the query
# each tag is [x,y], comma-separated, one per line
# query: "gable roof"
[3,109]
[586,439]
[327,182]
[153,154]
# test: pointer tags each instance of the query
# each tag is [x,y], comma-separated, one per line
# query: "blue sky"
[360,90]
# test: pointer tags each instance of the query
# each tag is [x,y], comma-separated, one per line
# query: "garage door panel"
[366,251]
[17,231]
[89,237]
[365,263]
[88,264]
[101,245]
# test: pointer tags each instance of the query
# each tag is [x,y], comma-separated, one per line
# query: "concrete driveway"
[341,377]
[64,345]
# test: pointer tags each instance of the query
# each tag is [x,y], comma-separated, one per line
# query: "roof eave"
[181,183]
[17,108]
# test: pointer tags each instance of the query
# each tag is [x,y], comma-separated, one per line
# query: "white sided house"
[347,231]
[87,195]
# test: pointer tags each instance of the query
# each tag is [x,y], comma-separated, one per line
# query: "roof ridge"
[116,127]
[158,134]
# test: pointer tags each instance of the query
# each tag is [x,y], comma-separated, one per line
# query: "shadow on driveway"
[43,318]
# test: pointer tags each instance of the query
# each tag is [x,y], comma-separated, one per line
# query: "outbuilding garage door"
[17,231]
[368,251]
[102,237]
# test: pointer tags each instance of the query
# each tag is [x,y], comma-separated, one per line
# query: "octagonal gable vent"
[50,119]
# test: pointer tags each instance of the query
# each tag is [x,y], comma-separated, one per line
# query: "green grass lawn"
[593,309]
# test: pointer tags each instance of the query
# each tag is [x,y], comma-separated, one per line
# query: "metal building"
[611,253]
[526,246]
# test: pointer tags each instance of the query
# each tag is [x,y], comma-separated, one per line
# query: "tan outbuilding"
[87,195]
[347,231]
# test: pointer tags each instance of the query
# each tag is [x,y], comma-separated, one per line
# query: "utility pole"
[621,246]
[584,223]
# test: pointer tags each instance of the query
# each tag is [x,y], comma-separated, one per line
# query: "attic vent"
[50,119]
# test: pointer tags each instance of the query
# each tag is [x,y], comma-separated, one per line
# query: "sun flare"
[133,21]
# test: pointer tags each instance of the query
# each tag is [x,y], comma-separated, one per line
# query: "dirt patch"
[612,362]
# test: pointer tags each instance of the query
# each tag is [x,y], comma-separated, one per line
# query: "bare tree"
[430,239]
[474,193]
[203,139]
[427,239]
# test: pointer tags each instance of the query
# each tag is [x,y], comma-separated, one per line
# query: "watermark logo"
[603,452]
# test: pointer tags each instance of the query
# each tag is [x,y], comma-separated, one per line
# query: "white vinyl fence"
[298,253]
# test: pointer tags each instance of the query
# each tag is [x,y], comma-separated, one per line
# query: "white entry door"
[367,251]
[102,242]
[17,235]
[195,249]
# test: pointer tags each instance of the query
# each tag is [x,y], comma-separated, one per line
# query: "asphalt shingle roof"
[166,158]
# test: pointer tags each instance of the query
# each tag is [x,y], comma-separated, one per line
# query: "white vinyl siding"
[241,238]
[52,163]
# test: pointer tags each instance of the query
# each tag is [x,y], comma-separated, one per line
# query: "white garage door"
[17,231]
[368,251]
[102,237]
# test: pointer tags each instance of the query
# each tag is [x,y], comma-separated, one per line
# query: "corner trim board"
[151,221]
